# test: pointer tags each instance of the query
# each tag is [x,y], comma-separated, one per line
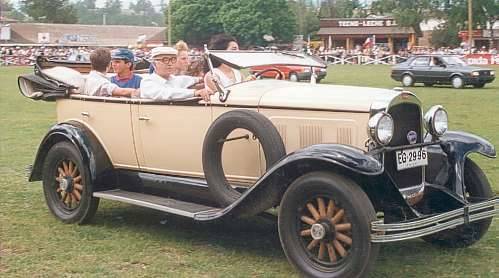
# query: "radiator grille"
[406,117]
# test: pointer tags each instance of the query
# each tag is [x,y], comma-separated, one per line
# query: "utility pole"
[470,23]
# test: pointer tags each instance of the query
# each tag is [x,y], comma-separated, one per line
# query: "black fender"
[455,146]
[344,159]
[93,154]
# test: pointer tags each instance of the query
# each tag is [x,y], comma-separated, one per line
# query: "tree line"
[249,20]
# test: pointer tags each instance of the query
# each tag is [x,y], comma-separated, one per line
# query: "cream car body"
[348,167]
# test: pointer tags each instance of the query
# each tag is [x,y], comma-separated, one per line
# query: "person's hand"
[135,94]
[205,93]
[250,77]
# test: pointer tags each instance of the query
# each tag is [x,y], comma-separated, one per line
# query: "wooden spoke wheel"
[66,185]
[325,230]
[324,226]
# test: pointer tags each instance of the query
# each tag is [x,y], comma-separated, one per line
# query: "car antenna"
[222,93]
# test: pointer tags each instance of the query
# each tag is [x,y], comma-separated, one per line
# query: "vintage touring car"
[260,144]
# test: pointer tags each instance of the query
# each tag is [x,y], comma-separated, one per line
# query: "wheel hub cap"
[66,184]
[318,231]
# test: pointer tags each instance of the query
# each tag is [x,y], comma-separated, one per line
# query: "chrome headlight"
[475,73]
[436,120]
[380,128]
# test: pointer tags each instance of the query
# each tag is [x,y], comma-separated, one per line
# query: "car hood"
[295,95]
[467,68]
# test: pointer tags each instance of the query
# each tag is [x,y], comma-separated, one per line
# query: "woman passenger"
[223,73]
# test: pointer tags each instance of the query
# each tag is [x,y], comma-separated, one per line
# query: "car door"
[438,72]
[170,136]
[420,68]
[109,119]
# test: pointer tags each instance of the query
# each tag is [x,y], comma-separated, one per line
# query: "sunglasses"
[167,60]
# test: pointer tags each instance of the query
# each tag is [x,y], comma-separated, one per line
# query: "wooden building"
[350,32]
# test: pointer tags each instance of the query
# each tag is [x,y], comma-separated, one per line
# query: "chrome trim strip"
[143,204]
[433,224]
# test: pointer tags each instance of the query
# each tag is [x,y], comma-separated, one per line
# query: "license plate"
[410,158]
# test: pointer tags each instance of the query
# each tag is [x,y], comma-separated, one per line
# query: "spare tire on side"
[261,128]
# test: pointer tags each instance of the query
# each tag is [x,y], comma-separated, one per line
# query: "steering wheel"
[280,75]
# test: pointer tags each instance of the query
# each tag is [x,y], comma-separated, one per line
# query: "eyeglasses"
[167,60]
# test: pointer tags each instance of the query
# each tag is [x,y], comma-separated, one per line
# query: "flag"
[369,43]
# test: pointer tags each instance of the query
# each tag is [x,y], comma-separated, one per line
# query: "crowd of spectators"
[21,55]
[26,55]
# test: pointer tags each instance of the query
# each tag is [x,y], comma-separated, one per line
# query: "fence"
[363,59]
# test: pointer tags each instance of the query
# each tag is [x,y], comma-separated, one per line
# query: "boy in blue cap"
[122,64]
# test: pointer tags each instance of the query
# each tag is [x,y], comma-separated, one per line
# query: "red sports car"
[292,73]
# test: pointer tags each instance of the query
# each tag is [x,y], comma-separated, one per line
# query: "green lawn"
[128,241]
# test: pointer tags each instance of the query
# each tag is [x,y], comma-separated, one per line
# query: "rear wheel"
[407,80]
[66,185]
[324,226]
[477,189]
[293,77]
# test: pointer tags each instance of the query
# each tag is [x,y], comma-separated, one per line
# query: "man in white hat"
[163,85]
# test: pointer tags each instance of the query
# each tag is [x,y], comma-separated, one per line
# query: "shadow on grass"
[253,235]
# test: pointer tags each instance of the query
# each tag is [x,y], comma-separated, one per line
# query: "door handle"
[85,114]
[142,118]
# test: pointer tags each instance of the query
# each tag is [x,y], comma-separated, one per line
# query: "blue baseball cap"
[122,54]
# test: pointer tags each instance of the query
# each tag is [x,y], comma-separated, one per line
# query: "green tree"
[341,8]
[50,11]
[195,21]
[112,7]
[249,21]
[307,19]
[409,13]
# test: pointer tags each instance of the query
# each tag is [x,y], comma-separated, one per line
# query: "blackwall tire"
[345,210]
[67,185]
[261,128]
[477,186]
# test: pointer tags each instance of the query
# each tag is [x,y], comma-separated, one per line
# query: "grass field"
[127,241]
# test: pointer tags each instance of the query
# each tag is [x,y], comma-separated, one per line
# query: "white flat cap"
[163,50]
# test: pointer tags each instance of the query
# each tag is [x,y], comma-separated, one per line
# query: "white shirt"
[97,84]
[224,79]
[156,87]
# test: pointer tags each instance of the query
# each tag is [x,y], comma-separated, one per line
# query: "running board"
[172,206]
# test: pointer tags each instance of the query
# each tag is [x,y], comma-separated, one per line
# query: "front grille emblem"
[412,137]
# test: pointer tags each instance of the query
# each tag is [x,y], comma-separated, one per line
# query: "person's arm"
[208,81]
[125,92]
[152,90]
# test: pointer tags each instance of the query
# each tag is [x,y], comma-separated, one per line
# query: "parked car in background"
[441,69]
[259,144]
[290,72]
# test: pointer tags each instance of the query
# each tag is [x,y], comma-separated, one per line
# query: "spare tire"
[261,128]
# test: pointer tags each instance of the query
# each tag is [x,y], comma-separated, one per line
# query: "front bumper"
[431,224]
[479,79]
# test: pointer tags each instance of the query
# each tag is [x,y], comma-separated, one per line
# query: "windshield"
[453,60]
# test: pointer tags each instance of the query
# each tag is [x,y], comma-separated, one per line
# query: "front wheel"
[457,82]
[477,189]
[324,226]
[66,185]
